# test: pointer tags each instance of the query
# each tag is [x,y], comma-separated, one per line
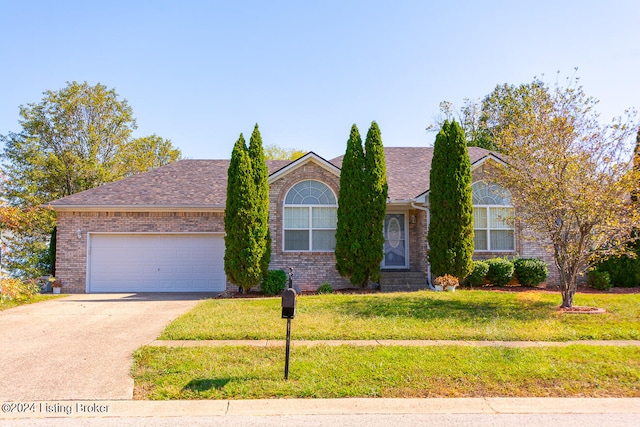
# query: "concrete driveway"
[80,346]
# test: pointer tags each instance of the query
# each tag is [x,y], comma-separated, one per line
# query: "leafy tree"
[376,189]
[274,152]
[26,244]
[75,139]
[482,119]
[450,233]
[146,153]
[261,179]
[244,252]
[351,229]
[570,177]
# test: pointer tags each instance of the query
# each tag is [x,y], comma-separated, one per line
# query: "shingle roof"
[408,169]
[201,184]
[185,184]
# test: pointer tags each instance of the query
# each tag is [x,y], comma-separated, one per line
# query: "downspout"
[422,208]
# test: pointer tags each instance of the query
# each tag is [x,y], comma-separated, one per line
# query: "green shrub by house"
[530,271]
[599,280]
[624,270]
[478,273]
[500,271]
[325,288]
[274,282]
[450,233]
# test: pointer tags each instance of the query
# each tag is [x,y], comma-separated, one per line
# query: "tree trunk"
[567,298]
[568,287]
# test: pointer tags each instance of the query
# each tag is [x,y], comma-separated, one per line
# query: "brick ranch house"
[163,230]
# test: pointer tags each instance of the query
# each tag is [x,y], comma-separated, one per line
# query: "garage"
[156,263]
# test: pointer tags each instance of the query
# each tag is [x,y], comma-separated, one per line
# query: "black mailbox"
[288,303]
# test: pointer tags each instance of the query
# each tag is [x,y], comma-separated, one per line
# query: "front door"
[396,254]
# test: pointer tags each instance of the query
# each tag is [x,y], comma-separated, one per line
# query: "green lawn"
[5,305]
[461,315]
[329,372]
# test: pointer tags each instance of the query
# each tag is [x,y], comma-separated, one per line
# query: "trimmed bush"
[478,274]
[325,288]
[624,270]
[500,271]
[599,280]
[530,271]
[274,283]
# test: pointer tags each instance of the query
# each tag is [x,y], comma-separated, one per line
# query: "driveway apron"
[81,346]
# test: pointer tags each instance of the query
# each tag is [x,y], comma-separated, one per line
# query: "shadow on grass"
[425,308]
[205,384]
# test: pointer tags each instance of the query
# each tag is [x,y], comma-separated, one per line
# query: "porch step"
[402,281]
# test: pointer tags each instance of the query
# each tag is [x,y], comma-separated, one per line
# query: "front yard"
[322,371]
[462,315]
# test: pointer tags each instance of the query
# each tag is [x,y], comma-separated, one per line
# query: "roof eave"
[399,202]
[137,208]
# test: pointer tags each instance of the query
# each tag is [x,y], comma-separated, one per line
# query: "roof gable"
[310,157]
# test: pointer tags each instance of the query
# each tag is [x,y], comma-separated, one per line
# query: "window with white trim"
[493,224]
[310,217]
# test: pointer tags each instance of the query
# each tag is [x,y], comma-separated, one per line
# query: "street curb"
[276,407]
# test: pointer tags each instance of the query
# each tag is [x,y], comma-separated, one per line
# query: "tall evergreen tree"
[243,251]
[375,190]
[351,203]
[261,179]
[450,234]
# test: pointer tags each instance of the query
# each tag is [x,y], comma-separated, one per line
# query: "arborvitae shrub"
[450,234]
[530,271]
[500,271]
[274,282]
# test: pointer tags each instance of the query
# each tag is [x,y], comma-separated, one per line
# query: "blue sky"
[201,72]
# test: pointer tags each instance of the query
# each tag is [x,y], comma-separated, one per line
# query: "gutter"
[422,208]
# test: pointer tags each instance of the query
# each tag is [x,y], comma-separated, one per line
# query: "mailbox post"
[288,312]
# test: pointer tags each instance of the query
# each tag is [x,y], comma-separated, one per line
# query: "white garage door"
[156,263]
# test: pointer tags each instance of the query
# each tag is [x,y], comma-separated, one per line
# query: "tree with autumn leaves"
[74,139]
[571,177]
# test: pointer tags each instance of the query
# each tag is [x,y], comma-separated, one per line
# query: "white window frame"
[310,228]
[488,228]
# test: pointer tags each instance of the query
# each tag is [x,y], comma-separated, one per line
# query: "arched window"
[310,217]
[493,224]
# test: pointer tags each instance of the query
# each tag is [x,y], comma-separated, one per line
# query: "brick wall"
[71,251]
[527,244]
[311,269]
